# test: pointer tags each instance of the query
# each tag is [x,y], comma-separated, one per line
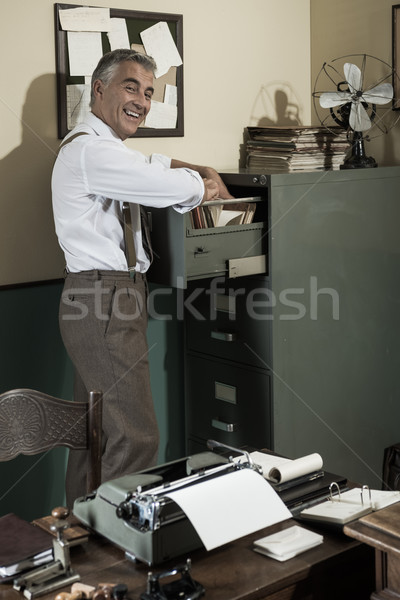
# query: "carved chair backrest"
[32,422]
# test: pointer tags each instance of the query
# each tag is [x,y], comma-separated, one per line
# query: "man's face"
[125,101]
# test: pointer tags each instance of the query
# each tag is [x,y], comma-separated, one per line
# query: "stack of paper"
[300,148]
[350,505]
[288,543]
[375,499]
[333,511]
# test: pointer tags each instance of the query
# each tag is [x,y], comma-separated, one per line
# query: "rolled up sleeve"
[121,174]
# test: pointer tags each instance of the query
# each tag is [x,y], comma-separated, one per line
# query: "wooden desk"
[339,568]
[381,530]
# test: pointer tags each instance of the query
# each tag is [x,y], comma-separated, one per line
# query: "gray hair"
[110,61]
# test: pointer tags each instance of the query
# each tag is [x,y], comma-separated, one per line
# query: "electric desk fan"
[356,93]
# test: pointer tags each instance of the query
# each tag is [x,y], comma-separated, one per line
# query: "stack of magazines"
[299,148]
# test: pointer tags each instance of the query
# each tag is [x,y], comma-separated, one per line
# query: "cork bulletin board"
[78,37]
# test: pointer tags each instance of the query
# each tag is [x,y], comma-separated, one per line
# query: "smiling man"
[103,313]
[124,101]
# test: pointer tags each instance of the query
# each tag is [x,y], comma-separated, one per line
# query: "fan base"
[359,162]
[357,159]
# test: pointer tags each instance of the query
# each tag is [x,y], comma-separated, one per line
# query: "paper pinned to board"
[78,98]
[226,508]
[162,115]
[171,94]
[160,44]
[279,470]
[84,18]
[84,52]
[118,34]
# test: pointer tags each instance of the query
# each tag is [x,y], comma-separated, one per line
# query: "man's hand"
[211,190]
[208,174]
[211,174]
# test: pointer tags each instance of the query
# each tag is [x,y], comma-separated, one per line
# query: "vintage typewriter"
[135,513]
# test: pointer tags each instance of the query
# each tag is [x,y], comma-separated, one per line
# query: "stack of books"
[23,546]
[300,148]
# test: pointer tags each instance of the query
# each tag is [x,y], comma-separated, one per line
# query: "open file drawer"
[183,253]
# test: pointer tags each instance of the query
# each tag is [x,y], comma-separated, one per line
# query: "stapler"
[55,574]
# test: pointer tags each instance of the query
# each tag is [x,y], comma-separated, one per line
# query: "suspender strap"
[146,235]
[65,142]
[130,251]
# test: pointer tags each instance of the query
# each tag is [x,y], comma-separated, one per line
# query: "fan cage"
[374,71]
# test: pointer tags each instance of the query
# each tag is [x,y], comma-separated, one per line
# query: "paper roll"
[295,468]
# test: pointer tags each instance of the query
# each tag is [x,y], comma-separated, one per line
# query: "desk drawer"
[231,405]
[231,320]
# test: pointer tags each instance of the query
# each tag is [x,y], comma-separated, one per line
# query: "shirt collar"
[99,127]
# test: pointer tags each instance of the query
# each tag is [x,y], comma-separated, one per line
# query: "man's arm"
[214,186]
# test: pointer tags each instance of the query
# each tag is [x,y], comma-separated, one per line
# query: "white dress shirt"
[92,177]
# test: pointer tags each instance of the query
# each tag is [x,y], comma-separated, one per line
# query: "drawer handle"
[201,251]
[224,336]
[229,427]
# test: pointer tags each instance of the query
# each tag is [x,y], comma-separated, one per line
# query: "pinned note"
[85,51]
[160,44]
[162,115]
[118,34]
[84,18]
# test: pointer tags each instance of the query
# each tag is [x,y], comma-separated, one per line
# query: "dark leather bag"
[391,468]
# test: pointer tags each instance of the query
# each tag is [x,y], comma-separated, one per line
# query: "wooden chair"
[33,422]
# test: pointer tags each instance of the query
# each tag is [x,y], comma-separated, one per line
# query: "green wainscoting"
[32,355]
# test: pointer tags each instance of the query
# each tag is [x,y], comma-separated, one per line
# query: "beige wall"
[234,55]
[351,27]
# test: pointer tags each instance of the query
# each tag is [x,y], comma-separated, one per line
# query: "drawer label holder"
[250,265]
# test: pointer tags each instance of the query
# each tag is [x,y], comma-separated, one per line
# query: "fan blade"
[359,119]
[353,77]
[380,94]
[331,99]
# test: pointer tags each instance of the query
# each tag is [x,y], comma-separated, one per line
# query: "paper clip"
[334,484]
[365,487]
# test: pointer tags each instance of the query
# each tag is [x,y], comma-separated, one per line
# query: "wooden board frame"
[134,20]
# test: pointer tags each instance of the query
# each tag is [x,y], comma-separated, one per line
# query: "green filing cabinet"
[310,351]
[227,377]
[334,261]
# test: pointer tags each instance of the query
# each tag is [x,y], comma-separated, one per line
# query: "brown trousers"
[103,322]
